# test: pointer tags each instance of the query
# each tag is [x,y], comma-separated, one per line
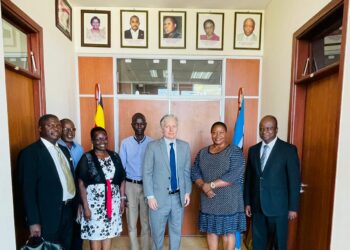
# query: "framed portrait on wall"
[63,13]
[210,35]
[133,29]
[172,29]
[247,34]
[95,28]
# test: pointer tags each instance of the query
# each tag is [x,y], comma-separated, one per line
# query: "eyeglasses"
[67,130]
[268,129]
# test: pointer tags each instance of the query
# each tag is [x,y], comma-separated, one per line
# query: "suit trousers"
[172,213]
[64,233]
[136,200]
[269,231]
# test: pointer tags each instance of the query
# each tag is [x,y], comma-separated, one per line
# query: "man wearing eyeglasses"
[272,184]
[76,151]
[67,140]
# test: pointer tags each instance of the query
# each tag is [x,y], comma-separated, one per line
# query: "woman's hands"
[208,190]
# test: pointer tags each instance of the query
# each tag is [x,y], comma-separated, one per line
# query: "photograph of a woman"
[210,31]
[95,28]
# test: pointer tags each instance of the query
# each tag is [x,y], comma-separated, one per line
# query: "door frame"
[298,90]
[14,15]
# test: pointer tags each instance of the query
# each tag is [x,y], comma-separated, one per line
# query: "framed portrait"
[210,35]
[133,29]
[172,29]
[95,28]
[63,12]
[247,34]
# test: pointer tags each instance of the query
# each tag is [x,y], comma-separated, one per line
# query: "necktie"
[173,180]
[66,171]
[263,157]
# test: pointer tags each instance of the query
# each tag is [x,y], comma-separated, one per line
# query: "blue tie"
[173,180]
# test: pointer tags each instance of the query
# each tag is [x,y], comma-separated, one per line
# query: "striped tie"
[263,157]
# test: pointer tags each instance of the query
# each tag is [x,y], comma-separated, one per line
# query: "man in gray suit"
[167,184]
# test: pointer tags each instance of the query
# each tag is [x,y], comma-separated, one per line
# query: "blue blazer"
[274,191]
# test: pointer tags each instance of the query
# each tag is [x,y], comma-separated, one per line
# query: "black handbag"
[38,243]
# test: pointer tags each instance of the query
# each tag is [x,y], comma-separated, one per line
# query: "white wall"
[7,228]
[341,217]
[59,64]
[282,19]
[153,27]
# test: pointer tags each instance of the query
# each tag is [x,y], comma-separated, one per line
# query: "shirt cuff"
[150,197]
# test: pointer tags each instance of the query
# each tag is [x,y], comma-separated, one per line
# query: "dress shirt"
[54,154]
[268,150]
[134,34]
[76,151]
[131,153]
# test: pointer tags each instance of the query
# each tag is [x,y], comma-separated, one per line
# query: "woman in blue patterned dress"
[218,171]
[101,183]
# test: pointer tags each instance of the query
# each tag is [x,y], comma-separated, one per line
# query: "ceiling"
[178,4]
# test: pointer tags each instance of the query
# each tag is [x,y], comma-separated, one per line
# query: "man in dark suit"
[48,184]
[272,185]
[167,184]
[134,32]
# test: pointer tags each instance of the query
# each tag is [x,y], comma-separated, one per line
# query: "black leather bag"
[38,243]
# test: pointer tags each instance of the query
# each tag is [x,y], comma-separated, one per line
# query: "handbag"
[38,243]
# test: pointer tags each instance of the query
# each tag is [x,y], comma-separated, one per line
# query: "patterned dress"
[224,213]
[99,227]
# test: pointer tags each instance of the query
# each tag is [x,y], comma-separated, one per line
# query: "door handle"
[302,186]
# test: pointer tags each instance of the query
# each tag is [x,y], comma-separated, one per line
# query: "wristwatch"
[212,185]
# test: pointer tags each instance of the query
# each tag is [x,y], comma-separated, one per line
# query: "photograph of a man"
[170,27]
[134,29]
[247,30]
[134,32]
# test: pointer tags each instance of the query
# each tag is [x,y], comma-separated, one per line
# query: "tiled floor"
[187,243]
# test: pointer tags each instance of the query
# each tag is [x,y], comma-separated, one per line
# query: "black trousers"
[64,234]
[269,232]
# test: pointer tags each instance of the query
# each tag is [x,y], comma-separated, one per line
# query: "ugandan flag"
[99,116]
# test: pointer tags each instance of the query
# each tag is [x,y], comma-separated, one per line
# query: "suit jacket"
[156,170]
[42,189]
[274,191]
[127,34]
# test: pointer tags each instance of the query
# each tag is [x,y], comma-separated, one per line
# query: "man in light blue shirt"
[132,152]
[67,140]
[76,151]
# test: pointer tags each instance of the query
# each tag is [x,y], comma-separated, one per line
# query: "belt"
[133,181]
[174,192]
[67,202]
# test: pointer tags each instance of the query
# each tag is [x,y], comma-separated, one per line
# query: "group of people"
[152,181]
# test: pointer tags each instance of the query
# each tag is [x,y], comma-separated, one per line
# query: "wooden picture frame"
[247,33]
[172,29]
[210,31]
[134,29]
[95,28]
[64,17]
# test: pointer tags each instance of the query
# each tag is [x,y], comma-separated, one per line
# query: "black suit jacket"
[127,34]
[274,191]
[42,189]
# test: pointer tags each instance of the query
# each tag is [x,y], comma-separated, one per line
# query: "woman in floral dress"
[102,191]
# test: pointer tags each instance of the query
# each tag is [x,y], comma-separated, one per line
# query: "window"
[197,77]
[15,45]
[174,77]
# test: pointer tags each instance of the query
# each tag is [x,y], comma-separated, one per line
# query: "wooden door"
[22,131]
[318,163]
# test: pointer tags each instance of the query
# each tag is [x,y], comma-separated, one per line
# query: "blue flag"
[238,136]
